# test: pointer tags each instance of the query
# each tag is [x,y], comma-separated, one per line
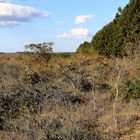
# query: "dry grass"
[56,101]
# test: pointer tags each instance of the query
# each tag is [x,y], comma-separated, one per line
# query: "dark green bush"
[131,90]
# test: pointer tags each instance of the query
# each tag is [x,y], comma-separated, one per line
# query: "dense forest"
[118,35]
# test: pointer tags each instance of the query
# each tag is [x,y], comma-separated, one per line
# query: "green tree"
[84,48]
[124,29]
[41,51]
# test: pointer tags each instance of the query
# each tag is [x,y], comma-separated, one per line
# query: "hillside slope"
[118,34]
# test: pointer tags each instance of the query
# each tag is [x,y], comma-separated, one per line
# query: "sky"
[67,23]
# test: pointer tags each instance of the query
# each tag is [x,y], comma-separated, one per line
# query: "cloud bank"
[12,15]
[82,19]
[76,33]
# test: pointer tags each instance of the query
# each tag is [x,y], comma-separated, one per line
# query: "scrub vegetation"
[93,94]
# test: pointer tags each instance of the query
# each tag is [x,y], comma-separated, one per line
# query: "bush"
[132,90]
[103,87]
[16,104]
[86,85]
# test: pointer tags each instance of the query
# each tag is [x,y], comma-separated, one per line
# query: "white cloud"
[12,15]
[8,23]
[82,19]
[62,36]
[4,1]
[77,33]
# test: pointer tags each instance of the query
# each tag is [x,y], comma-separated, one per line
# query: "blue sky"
[67,23]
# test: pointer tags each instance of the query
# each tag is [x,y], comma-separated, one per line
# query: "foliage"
[132,90]
[125,28]
[84,48]
[42,50]
[16,104]
[58,102]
